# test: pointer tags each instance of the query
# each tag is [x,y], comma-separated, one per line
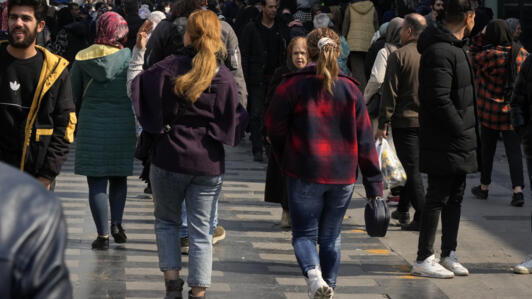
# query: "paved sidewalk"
[255,260]
[493,238]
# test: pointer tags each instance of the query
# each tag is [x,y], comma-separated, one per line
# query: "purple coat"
[195,143]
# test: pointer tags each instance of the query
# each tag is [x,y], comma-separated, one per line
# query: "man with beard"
[436,6]
[37,113]
[448,134]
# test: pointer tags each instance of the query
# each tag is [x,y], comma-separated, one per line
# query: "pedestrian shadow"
[489,268]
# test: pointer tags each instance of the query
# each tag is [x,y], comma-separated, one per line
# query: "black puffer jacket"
[522,106]
[448,125]
[33,234]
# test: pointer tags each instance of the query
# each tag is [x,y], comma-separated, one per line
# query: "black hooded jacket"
[522,106]
[448,125]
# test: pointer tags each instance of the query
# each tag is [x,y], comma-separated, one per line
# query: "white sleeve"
[135,67]
[378,71]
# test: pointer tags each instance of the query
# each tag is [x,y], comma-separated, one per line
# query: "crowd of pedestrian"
[315,84]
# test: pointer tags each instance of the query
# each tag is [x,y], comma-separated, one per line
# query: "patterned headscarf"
[111,30]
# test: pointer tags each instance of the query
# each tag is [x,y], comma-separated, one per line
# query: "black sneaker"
[402,217]
[479,193]
[174,289]
[147,190]
[118,233]
[100,243]
[413,226]
[518,200]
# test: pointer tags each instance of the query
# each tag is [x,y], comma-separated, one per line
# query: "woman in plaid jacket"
[321,133]
[496,47]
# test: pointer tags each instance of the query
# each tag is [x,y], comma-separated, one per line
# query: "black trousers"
[512,146]
[406,142]
[256,110]
[444,195]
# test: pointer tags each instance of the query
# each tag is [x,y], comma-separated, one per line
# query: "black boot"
[479,193]
[403,217]
[518,200]
[118,233]
[174,289]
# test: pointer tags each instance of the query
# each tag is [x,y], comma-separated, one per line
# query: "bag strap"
[87,87]
[511,66]
[511,72]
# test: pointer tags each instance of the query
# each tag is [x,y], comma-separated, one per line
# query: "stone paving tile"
[256,259]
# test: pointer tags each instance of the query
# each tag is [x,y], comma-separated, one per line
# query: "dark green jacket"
[105,141]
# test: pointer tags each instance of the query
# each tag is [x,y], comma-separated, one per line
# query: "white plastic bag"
[393,173]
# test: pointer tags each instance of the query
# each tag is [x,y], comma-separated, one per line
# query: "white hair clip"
[325,41]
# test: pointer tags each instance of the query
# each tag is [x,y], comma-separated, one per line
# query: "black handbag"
[374,104]
[147,141]
[377,217]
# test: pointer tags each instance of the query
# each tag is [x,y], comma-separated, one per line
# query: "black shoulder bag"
[147,141]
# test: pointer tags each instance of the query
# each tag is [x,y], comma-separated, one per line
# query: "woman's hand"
[142,35]
[380,134]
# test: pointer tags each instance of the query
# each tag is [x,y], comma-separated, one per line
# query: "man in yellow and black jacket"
[37,112]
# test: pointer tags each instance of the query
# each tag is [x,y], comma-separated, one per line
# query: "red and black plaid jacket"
[490,67]
[320,137]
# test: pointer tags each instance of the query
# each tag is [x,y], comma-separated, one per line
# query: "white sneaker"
[451,263]
[317,287]
[430,268]
[525,267]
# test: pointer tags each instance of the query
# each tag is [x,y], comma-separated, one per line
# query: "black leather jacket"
[32,239]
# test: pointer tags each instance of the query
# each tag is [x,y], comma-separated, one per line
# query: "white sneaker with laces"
[431,268]
[318,288]
[525,267]
[451,263]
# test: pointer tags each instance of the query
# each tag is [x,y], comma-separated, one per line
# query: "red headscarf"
[111,30]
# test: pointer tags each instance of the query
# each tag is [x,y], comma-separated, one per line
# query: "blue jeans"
[200,194]
[183,232]
[317,212]
[98,201]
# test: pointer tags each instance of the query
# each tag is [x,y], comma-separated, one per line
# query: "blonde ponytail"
[204,30]
[324,49]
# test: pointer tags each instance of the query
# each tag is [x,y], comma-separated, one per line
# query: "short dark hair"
[183,8]
[263,2]
[415,24]
[131,7]
[454,11]
[39,7]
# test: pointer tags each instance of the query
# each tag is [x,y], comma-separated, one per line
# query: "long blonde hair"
[325,54]
[204,30]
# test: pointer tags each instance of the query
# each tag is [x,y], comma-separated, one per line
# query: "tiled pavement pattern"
[256,259]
